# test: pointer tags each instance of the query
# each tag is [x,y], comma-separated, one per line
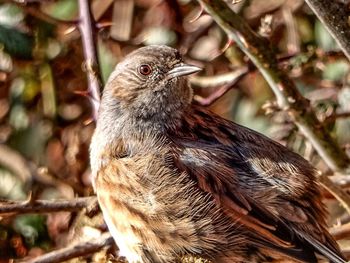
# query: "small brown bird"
[174,179]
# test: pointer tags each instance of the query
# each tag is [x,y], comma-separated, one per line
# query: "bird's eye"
[145,69]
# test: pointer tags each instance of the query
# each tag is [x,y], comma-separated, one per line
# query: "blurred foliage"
[31,227]
[64,9]
[16,43]
[45,120]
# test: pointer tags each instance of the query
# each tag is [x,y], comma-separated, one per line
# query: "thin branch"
[334,15]
[336,191]
[218,80]
[293,38]
[340,232]
[75,250]
[88,36]
[335,116]
[213,97]
[341,180]
[46,206]
[287,95]
[229,79]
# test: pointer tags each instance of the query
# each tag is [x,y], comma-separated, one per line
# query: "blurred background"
[45,119]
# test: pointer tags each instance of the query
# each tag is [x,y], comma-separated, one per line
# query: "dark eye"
[145,69]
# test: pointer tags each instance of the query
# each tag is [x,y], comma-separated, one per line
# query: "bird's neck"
[152,111]
[119,130]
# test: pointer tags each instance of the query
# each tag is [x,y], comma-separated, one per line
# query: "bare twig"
[45,206]
[207,101]
[218,80]
[189,39]
[75,250]
[229,80]
[340,232]
[88,37]
[293,39]
[336,191]
[335,116]
[335,16]
[288,97]
[341,180]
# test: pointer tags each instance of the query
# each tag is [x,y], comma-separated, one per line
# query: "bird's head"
[150,84]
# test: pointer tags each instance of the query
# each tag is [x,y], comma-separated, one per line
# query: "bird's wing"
[256,181]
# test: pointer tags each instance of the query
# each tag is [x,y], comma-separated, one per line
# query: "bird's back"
[267,188]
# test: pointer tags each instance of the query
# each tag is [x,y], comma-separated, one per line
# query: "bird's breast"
[148,204]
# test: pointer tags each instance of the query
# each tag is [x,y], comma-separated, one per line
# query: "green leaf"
[10,15]
[305,29]
[323,38]
[48,90]
[64,9]
[18,117]
[31,141]
[16,43]
[159,36]
[32,227]
[336,71]
[106,60]
[11,187]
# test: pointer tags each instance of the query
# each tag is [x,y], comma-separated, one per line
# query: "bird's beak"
[182,70]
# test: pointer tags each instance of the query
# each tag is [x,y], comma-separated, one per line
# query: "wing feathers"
[324,250]
[257,182]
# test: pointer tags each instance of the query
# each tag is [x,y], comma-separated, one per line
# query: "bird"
[174,179]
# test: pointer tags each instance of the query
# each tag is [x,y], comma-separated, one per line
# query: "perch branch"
[75,250]
[334,15]
[45,206]
[88,37]
[288,97]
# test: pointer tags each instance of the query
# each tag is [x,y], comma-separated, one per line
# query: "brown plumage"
[174,179]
